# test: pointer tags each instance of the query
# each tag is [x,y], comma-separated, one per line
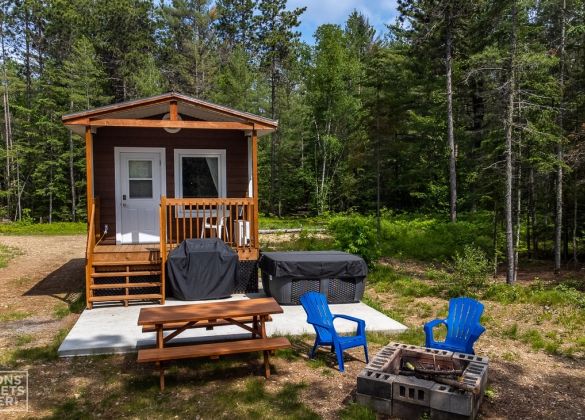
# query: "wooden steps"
[122,263]
[119,264]
[125,273]
[125,298]
[124,285]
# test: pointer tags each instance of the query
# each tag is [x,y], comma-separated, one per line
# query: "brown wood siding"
[234,142]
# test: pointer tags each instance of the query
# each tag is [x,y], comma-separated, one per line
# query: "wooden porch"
[130,272]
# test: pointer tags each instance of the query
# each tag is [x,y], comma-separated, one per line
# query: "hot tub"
[286,276]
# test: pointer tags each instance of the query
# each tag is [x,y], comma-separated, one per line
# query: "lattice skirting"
[131,291]
[289,291]
[247,280]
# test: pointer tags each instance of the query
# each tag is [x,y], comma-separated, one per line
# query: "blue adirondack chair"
[463,327]
[319,315]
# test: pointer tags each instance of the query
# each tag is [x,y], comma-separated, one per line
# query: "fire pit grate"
[409,382]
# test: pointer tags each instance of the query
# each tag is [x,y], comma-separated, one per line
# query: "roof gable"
[158,105]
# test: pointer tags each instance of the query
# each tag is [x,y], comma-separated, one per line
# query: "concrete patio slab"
[113,329]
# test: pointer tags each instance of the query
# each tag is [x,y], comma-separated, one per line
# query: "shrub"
[470,272]
[432,239]
[356,234]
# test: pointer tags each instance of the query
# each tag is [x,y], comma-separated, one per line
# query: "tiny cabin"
[161,170]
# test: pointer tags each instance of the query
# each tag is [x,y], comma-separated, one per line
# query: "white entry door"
[140,186]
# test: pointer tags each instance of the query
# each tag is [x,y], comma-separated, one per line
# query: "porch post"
[255,184]
[89,168]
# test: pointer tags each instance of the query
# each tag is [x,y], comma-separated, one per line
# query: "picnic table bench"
[180,318]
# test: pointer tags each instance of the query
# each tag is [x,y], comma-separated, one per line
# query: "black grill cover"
[201,269]
[313,264]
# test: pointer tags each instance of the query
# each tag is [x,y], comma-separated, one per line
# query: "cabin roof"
[158,105]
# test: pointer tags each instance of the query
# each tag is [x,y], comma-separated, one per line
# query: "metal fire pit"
[408,381]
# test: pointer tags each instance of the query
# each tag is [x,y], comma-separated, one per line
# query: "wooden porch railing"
[231,219]
[89,248]
[97,218]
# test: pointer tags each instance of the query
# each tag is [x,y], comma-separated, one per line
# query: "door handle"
[124,200]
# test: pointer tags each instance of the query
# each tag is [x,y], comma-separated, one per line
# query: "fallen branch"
[292,230]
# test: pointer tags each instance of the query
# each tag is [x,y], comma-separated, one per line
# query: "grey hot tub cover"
[313,265]
[201,269]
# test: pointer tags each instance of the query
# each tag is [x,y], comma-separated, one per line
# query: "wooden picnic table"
[180,318]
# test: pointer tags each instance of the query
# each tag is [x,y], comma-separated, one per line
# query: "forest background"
[469,111]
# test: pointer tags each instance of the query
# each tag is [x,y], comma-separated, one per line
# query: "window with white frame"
[200,173]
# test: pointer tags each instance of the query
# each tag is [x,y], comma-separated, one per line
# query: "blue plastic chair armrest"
[351,318]
[429,339]
[477,331]
[361,330]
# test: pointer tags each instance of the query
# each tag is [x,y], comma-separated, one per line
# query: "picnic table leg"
[263,326]
[267,364]
[160,344]
[254,325]
[266,352]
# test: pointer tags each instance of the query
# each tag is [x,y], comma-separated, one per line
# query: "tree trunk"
[518,210]
[495,240]
[559,174]
[51,195]
[72,178]
[450,130]
[533,213]
[575,219]
[27,43]
[378,220]
[508,122]
[7,134]
[272,138]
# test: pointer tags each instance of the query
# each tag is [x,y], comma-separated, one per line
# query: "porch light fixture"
[171,130]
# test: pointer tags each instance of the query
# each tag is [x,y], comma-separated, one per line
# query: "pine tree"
[235,24]
[276,38]
[188,46]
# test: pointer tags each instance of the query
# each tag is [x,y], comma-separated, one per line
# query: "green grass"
[355,411]
[273,222]
[413,335]
[61,311]
[385,278]
[511,332]
[55,228]
[537,293]
[289,354]
[7,253]
[490,393]
[317,362]
[75,306]
[34,354]
[24,339]
[14,315]
[249,400]
[397,315]
[304,241]
[433,238]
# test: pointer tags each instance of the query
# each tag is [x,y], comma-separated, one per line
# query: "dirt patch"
[45,277]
